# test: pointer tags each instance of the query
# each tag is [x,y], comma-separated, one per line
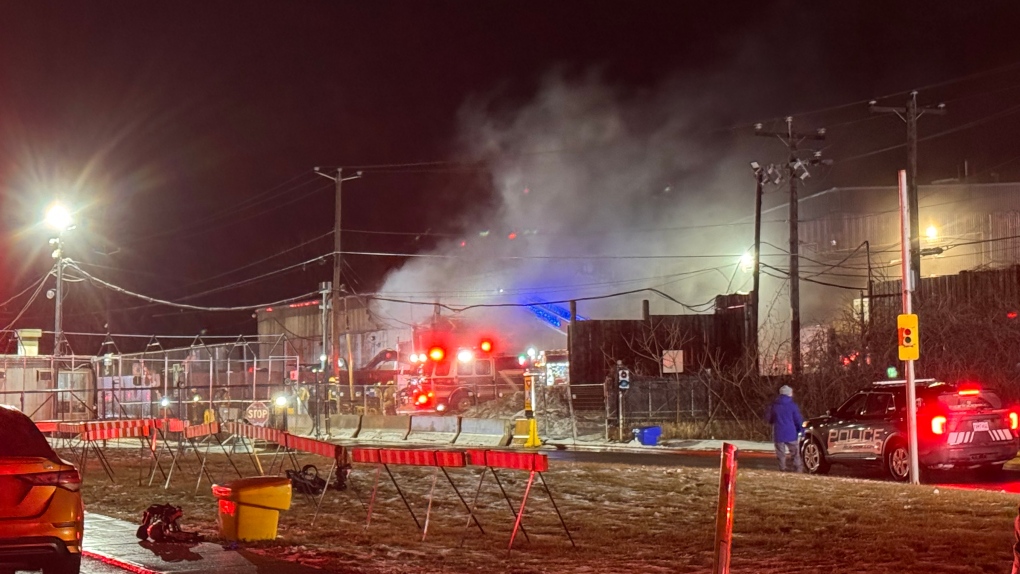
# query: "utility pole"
[792,139]
[334,332]
[334,338]
[910,114]
[759,184]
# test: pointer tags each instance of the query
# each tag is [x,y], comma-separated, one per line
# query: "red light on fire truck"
[485,345]
[437,353]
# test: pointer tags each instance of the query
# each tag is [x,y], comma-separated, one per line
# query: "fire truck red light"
[1011,315]
[437,353]
[512,235]
[485,346]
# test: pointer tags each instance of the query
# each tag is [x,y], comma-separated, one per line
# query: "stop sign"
[257,414]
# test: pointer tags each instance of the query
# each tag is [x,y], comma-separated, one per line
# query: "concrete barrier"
[434,429]
[383,428]
[344,426]
[299,424]
[484,432]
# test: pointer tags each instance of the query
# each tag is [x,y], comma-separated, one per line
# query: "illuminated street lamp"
[59,219]
[931,233]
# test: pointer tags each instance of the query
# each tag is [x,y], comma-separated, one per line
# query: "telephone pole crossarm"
[910,113]
[792,138]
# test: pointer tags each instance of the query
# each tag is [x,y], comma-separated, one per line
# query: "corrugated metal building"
[975,224]
[301,323]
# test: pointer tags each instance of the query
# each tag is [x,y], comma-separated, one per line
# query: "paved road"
[1009,481]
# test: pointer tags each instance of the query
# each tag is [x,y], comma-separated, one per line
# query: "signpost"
[257,414]
[906,323]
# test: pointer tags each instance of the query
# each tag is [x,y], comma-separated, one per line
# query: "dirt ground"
[622,518]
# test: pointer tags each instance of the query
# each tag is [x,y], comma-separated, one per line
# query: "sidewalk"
[113,541]
[672,446]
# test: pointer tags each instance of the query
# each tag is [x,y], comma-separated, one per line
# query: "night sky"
[185,133]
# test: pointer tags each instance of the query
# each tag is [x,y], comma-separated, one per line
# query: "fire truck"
[453,380]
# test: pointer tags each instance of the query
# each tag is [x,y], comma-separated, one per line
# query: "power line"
[274,256]
[154,300]
[456,309]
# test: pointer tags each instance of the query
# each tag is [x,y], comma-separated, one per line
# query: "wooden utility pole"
[334,299]
[910,114]
[759,184]
[792,139]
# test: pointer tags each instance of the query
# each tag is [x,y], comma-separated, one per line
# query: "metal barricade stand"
[439,460]
[337,453]
[535,464]
[161,429]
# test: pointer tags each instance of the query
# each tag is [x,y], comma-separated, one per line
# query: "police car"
[958,426]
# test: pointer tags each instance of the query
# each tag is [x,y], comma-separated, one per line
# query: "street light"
[59,219]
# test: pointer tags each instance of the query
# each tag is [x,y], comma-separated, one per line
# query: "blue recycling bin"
[648,436]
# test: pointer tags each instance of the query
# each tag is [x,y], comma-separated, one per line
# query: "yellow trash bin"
[249,509]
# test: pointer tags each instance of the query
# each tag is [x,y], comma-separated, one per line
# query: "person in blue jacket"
[784,416]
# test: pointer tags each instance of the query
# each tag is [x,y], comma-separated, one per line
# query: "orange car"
[41,513]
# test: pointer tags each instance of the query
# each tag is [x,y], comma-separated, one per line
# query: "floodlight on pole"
[59,219]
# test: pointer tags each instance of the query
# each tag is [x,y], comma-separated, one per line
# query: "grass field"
[623,519]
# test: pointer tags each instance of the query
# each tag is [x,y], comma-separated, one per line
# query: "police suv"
[958,426]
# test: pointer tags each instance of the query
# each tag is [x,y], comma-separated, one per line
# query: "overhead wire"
[178,305]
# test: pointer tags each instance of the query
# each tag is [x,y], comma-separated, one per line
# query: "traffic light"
[909,337]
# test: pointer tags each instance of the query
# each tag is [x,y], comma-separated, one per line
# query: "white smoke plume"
[598,190]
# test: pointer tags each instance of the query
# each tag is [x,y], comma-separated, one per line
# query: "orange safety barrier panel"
[407,457]
[170,425]
[365,455]
[47,426]
[196,431]
[532,461]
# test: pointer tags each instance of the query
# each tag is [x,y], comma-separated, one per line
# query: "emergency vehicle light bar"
[903,382]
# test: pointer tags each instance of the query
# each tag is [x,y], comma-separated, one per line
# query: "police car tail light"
[938,424]
[968,392]
[1014,420]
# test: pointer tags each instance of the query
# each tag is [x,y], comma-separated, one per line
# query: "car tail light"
[969,392]
[1014,420]
[66,479]
[938,424]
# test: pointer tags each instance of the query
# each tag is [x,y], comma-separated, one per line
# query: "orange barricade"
[160,429]
[336,452]
[438,460]
[535,464]
[94,431]
[47,427]
[255,433]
